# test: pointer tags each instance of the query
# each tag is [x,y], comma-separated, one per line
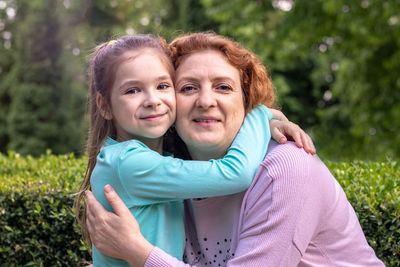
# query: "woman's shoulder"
[286,156]
[287,162]
[289,167]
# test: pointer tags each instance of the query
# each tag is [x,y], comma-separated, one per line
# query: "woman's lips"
[206,121]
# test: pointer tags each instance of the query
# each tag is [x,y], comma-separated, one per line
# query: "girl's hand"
[282,130]
[116,234]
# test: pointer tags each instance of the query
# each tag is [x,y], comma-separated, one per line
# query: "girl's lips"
[154,117]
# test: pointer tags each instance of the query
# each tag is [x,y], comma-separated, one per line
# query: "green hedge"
[37,225]
[373,189]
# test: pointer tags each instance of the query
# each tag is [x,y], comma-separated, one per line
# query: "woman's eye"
[187,88]
[132,91]
[224,87]
[163,86]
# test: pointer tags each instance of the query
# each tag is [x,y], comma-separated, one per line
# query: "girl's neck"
[155,144]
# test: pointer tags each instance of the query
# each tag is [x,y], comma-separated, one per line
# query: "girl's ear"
[103,107]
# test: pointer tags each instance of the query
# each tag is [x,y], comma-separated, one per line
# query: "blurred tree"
[167,18]
[42,110]
[6,62]
[334,63]
[44,56]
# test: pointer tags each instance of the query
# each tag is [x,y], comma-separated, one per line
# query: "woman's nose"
[206,99]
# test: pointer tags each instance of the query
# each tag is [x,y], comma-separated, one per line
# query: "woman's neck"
[206,153]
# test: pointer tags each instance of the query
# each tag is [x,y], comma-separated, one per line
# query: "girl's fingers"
[281,131]
[311,144]
[277,114]
[278,136]
[307,146]
[298,139]
[295,132]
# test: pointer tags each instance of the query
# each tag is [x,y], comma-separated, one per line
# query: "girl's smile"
[142,97]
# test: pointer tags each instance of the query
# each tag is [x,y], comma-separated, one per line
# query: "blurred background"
[335,64]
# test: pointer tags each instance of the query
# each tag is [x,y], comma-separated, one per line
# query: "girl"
[132,107]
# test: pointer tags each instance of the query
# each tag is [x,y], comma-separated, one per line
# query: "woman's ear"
[103,107]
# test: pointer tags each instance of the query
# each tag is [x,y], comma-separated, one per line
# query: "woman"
[295,213]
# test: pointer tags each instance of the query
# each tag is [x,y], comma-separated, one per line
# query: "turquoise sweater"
[153,186]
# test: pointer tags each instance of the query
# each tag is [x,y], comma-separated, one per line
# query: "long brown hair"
[256,84]
[103,64]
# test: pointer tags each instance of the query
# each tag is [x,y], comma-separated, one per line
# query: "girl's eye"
[163,86]
[132,91]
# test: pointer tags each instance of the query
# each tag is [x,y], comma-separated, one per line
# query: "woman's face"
[210,107]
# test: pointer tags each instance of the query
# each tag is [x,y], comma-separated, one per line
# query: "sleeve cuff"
[156,259]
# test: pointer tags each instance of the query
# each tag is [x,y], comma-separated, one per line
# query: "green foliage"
[44,55]
[335,72]
[334,64]
[43,111]
[37,226]
[373,189]
[37,221]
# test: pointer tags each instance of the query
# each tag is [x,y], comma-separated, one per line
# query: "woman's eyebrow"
[186,79]
[222,79]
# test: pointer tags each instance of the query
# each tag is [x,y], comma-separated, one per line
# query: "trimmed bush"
[37,223]
[37,226]
[373,189]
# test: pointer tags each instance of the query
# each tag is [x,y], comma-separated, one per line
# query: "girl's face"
[142,97]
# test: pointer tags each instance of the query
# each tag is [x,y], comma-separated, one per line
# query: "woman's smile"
[206,121]
[210,107]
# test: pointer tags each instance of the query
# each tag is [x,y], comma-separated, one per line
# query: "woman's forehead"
[206,63]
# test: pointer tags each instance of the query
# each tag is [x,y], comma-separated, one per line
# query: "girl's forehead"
[134,53]
[152,53]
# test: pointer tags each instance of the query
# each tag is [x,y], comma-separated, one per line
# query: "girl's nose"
[152,100]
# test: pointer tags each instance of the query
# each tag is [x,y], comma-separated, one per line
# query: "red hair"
[256,84]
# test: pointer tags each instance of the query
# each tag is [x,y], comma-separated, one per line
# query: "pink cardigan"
[294,214]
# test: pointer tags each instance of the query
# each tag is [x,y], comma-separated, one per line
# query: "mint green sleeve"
[150,178]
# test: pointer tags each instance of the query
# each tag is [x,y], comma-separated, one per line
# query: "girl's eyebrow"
[129,83]
[138,82]
[164,77]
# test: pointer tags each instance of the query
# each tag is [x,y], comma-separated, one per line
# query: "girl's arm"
[149,178]
[283,130]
